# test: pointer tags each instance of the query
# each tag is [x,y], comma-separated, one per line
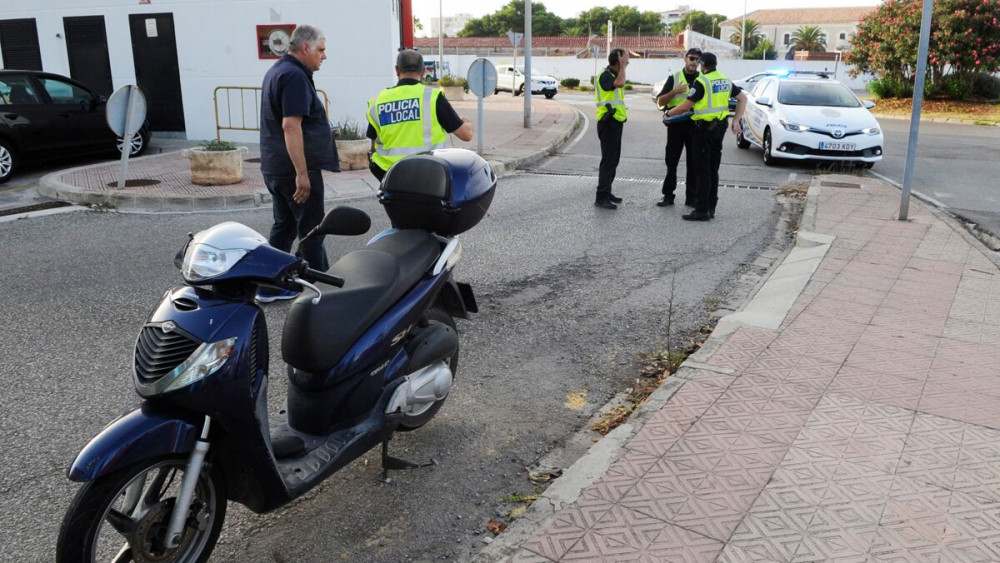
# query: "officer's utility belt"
[710,124]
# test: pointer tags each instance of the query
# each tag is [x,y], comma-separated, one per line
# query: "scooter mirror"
[345,221]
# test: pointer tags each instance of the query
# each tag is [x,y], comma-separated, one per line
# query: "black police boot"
[697,216]
[666,201]
[605,204]
[614,199]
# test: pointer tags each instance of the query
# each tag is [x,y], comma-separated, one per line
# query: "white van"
[510,79]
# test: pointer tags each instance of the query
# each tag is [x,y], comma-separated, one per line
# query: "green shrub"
[955,87]
[216,145]
[449,80]
[584,88]
[570,83]
[986,86]
[890,87]
[628,86]
[350,130]
[931,90]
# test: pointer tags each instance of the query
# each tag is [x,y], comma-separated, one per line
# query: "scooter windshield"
[216,250]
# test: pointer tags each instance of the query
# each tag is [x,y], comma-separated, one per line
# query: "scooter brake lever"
[302,282]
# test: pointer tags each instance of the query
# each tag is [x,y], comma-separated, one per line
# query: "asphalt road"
[569,296]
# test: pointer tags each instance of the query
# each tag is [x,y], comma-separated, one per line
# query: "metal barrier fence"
[232,104]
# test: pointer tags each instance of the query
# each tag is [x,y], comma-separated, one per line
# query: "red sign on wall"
[273,40]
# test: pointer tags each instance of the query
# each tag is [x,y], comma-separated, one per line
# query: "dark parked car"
[45,116]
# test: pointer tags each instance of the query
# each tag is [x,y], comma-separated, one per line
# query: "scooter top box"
[446,191]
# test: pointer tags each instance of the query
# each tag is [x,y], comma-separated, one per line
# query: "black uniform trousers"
[609,131]
[679,139]
[706,140]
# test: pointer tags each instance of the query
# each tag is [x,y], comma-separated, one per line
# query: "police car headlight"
[793,127]
[871,130]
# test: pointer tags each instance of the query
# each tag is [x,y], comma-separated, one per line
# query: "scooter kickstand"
[394,463]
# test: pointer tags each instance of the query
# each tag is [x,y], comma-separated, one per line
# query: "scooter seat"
[315,337]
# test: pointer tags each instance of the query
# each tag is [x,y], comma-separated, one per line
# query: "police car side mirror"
[764,102]
[868,104]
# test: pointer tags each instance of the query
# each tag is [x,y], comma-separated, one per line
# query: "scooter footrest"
[286,447]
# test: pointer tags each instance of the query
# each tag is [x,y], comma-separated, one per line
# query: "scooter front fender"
[145,432]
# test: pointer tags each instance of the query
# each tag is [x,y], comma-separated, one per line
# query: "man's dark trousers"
[679,139]
[706,139]
[293,220]
[609,131]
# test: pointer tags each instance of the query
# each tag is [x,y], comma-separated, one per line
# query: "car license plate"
[834,146]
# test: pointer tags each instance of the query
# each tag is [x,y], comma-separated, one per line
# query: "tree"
[706,24]
[809,38]
[764,50]
[628,19]
[417,25]
[511,17]
[965,39]
[753,35]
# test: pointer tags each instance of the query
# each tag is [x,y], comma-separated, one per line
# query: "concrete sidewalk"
[850,412]
[166,177]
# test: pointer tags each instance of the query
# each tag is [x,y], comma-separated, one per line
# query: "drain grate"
[32,208]
[139,183]
[840,185]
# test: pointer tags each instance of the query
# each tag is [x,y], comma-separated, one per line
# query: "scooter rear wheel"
[124,516]
[412,422]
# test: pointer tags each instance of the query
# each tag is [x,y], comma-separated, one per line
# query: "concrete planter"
[453,93]
[353,154]
[215,168]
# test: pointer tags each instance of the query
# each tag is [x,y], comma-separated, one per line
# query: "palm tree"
[753,35]
[809,38]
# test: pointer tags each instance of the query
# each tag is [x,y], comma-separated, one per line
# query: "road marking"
[583,131]
[921,195]
[943,194]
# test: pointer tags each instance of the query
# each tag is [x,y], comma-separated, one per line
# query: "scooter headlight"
[203,362]
[203,261]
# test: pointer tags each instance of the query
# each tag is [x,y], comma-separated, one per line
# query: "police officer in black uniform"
[673,94]
[709,99]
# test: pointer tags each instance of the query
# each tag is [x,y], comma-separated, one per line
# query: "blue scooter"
[371,348]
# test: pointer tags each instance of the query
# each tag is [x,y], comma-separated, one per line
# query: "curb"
[52,186]
[504,166]
[980,123]
[766,307]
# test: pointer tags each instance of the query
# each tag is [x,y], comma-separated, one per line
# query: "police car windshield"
[816,94]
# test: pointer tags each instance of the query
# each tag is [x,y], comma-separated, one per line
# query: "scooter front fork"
[195,464]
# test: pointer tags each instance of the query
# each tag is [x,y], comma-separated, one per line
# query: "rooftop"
[805,16]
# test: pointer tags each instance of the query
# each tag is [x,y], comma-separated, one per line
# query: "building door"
[87,47]
[19,43]
[156,70]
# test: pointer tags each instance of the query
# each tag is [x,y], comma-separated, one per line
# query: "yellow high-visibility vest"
[679,98]
[714,105]
[405,123]
[614,97]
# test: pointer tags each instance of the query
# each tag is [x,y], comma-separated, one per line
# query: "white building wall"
[649,71]
[216,46]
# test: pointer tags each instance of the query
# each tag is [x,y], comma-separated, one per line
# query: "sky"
[424,10]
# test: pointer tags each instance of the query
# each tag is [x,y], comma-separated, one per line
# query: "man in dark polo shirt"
[295,146]
[397,123]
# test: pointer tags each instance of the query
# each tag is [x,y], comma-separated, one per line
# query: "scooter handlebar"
[316,275]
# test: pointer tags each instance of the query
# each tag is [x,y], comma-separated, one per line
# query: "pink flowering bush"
[965,40]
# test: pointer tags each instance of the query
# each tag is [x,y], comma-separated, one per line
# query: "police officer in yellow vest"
[611,115]
[710,100]
[410,118]
[675,91]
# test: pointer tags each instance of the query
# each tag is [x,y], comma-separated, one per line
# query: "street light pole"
[440,38]
[527,64]
[918,100]
[743,35]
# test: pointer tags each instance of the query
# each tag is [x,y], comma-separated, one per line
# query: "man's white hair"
[305,35]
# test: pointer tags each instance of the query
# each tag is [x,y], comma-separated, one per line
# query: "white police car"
[809,116]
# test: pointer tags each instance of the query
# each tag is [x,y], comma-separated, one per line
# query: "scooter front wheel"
[418,419]
[124,516]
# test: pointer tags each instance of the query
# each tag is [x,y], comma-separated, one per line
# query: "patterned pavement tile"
[666,486]
[621,476]
[741,348]
[656,437]
[566,529]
